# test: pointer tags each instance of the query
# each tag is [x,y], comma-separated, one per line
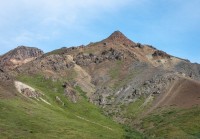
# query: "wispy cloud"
[23,21]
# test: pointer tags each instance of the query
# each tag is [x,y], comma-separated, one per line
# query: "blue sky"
[170,25]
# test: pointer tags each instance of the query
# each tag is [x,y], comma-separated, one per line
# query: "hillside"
[89,86]
[48,114]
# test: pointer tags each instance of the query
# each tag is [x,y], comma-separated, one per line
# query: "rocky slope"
[117,70]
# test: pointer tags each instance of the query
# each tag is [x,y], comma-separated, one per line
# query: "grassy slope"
[173,123]
[134,108]
[27,118]
[165,123]
[32,119]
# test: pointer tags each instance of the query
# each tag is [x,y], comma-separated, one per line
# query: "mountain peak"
[19,55]
[120,38]
[117,35]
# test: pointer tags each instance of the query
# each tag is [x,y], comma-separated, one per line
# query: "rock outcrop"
[27,91]
[30,92]
[85,59]
[19,56]
[70,93]
[4,76]
[160,54]
[49,65]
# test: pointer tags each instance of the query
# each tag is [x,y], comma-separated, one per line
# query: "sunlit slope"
[23,117]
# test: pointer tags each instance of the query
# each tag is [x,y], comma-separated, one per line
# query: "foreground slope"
[173,114]
[26,116]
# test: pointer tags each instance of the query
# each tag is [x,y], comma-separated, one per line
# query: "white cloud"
[59,11]
[22,21]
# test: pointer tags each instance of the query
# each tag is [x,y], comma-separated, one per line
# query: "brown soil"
[7,91]
[184,93]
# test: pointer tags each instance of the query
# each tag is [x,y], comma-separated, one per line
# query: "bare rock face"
[19,56]
[4,76]
[55,63]
[70,93]
[85,59]
[29,93]
[188,69]
[161,54]
[49,65]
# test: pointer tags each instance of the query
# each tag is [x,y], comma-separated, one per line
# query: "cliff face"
[19,56]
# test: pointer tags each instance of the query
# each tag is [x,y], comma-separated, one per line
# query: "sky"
[169,25]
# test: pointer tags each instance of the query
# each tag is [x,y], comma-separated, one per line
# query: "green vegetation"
[22,117]
[29,118]
[115,71]
[81,92]
[135,108]
[164,123]
[173,123]
[132,134]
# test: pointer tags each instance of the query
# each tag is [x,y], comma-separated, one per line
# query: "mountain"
[136,85]
[19,56]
